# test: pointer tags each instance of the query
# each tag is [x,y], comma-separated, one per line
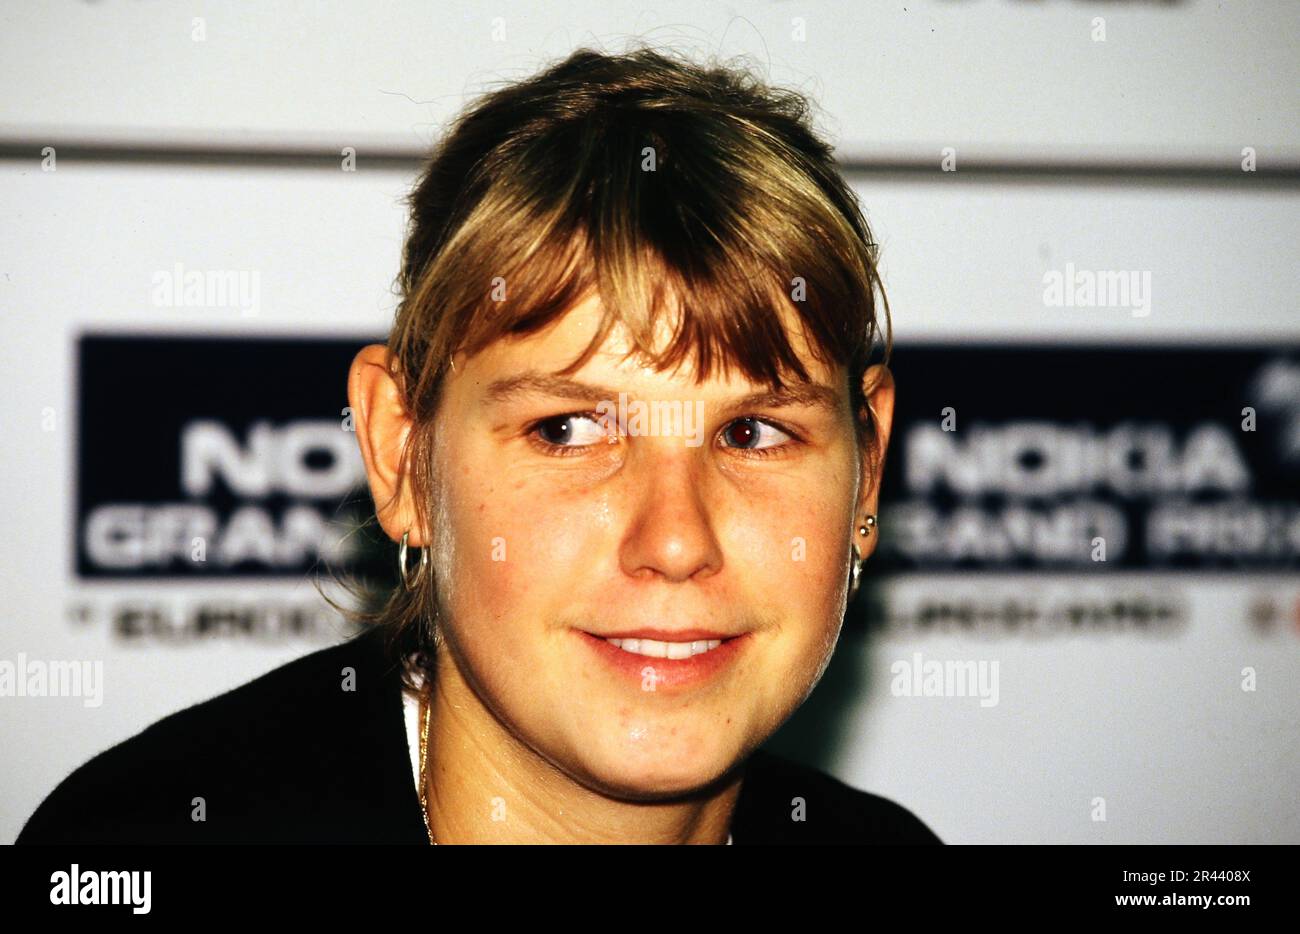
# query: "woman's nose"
[672,531]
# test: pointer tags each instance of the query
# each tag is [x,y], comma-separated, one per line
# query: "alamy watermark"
[662,418]
[80,886]
[179,287]
[920,677]
[1103,288]
[33,677]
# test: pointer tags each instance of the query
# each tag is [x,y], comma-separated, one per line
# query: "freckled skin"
[644,532]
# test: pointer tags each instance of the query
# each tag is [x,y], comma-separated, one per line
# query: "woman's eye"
[572,433]
[750,433]
[571,430]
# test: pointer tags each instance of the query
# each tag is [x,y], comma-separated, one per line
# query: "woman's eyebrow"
[532,382]
[808,395]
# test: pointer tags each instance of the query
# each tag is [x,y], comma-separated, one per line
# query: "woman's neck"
[487,786]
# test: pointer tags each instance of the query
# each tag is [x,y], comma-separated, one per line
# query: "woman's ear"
[382,425]
[878,390]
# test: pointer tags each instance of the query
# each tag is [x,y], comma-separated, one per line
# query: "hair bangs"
[728,276]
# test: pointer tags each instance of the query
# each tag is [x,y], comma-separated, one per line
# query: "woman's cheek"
[509,556]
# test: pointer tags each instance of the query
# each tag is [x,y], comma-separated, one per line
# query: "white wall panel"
[1194,80]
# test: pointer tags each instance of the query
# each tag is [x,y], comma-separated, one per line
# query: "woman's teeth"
[665,649]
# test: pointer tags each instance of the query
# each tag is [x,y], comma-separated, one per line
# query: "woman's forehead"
[552,350]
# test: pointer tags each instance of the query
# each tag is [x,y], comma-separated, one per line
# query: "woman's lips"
[652,672]
[666,635]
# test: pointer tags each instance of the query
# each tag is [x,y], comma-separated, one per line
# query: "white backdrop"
[1160,729]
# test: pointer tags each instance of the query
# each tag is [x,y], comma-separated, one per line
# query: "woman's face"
[561,532]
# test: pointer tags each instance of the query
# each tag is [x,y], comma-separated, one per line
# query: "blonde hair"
[661,185]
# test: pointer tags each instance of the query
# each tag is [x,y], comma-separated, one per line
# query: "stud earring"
[855,568]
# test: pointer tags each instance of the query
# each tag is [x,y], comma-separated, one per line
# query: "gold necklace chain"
[424,758]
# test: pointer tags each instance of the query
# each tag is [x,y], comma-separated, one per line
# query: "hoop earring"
[403,572]
[855,573]
[855,567]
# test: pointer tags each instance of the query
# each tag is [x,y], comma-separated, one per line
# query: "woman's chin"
[648,771]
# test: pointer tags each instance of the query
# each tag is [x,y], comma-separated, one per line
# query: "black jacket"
[293,758]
